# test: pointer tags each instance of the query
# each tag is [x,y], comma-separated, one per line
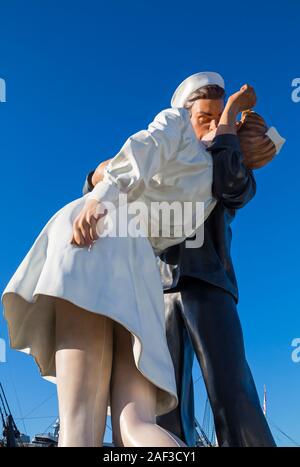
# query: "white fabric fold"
[278,140]
[142,156]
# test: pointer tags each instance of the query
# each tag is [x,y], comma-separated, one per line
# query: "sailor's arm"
[233,183]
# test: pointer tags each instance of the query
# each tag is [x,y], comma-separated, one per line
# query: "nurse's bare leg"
[133,400]
[83,370]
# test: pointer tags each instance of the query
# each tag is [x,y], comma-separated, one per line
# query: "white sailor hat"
[192,83]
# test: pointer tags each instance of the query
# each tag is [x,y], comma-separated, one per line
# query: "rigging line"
[284,434]
[108,427]
[3,399]
[56,419]
[288,437]
[17,397]
[36,418]
[52,423]
[198,379]
[278,439]
[2,417]
[39,405]
[3,406]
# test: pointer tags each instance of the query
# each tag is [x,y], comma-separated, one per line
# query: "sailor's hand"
[243,99]
[85,224]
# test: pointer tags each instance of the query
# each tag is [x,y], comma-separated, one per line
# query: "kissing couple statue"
[90,308]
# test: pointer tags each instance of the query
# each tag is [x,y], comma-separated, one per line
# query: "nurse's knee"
[132,422]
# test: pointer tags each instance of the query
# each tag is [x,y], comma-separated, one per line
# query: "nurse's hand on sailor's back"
[85,226]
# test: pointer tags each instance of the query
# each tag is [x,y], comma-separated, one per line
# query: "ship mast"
[10,430]
[265,401]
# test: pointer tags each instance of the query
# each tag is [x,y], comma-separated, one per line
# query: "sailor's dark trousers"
[203,318]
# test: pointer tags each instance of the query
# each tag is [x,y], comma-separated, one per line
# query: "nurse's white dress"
[118,276]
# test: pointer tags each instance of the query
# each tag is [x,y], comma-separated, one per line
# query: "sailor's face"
[206,114]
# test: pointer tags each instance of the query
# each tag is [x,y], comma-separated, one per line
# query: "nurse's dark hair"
[211,91]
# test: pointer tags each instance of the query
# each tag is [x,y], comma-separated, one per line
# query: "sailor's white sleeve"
[143,154]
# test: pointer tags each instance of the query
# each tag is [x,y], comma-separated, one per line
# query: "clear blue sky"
[81,77]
